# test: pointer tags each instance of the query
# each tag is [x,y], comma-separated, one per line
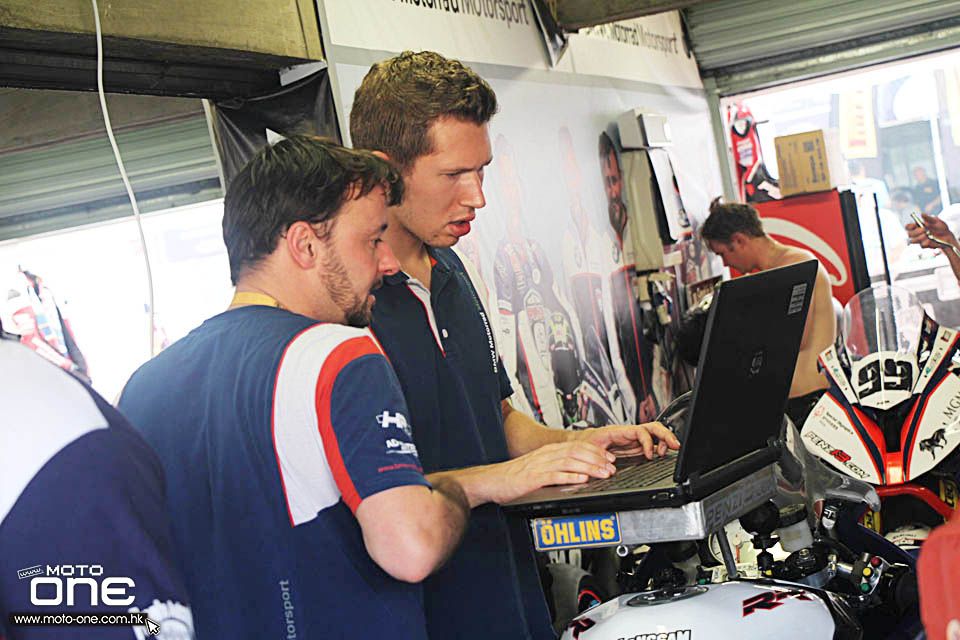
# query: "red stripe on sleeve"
[340,357]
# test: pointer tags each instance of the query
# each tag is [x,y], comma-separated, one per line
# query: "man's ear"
[738,240]
[302,244]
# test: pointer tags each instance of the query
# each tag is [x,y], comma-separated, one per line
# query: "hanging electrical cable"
[123,172]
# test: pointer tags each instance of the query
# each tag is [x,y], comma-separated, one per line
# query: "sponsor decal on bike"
[837,454]
[570,532]
[771,600]
[579,626]
[937,441]
[678,634]
[871,520]
[949,492]
[735,500]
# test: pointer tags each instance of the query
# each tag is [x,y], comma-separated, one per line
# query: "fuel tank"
[736,609]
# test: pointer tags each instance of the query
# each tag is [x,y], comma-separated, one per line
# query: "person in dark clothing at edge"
[429,115]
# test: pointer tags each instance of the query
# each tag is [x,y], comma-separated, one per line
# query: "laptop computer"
[752,338]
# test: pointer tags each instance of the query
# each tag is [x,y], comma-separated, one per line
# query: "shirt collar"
[439,274]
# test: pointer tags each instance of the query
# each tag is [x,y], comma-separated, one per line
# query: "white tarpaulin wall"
[632,64]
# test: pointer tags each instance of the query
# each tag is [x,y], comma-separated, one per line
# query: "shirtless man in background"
[734,232]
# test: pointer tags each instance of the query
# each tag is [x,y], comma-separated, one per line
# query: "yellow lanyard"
[244,298]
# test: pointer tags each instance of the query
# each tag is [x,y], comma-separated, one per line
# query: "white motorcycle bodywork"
[743,610]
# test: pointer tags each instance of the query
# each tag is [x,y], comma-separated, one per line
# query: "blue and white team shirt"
[272,429]
[81,497]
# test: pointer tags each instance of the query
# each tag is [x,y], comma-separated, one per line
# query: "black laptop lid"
[754,329]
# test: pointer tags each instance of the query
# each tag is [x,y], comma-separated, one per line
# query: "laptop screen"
[754,328]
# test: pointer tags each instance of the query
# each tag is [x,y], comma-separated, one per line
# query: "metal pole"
[727,554]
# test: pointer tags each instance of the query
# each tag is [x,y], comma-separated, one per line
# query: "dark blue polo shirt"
[441,344]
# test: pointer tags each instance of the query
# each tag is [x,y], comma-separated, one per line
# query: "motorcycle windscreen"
[881,329]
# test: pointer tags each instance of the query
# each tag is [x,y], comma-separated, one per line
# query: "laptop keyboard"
[639,475]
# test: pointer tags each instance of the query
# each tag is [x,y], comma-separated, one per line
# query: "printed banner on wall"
[489,31]
[648,49]
[858,129]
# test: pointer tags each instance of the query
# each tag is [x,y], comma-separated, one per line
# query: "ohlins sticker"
[839,454]
[570,532]
[771,600]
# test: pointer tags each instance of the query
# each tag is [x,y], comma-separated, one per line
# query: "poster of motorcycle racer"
[588,258]
[537,331]
[637,352]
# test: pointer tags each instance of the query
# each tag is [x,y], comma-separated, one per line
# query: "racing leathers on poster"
[589,259]
[636,351]
[538,334]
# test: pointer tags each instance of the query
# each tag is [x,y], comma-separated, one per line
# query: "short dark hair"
[401,97]
[605,147]
[299,178]
[728,218]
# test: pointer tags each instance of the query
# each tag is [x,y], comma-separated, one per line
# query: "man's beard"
[617,210]
[358,312]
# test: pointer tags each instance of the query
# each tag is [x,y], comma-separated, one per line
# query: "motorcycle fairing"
[851,441]
[934,428]
[884,379]
[835,432]
[934,409]
[840,433]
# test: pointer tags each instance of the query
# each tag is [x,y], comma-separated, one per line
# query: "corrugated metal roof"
[78,182]
[732,32]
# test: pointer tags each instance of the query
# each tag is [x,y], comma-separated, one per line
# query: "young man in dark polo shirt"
[429,116]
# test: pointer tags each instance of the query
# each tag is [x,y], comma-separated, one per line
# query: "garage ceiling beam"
[212,49]
[577,14]
[47,60]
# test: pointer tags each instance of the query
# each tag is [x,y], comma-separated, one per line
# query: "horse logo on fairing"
[937,441]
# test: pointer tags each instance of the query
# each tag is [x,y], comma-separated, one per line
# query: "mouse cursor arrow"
[152,627]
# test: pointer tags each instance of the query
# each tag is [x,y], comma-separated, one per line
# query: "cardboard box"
[810,162]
